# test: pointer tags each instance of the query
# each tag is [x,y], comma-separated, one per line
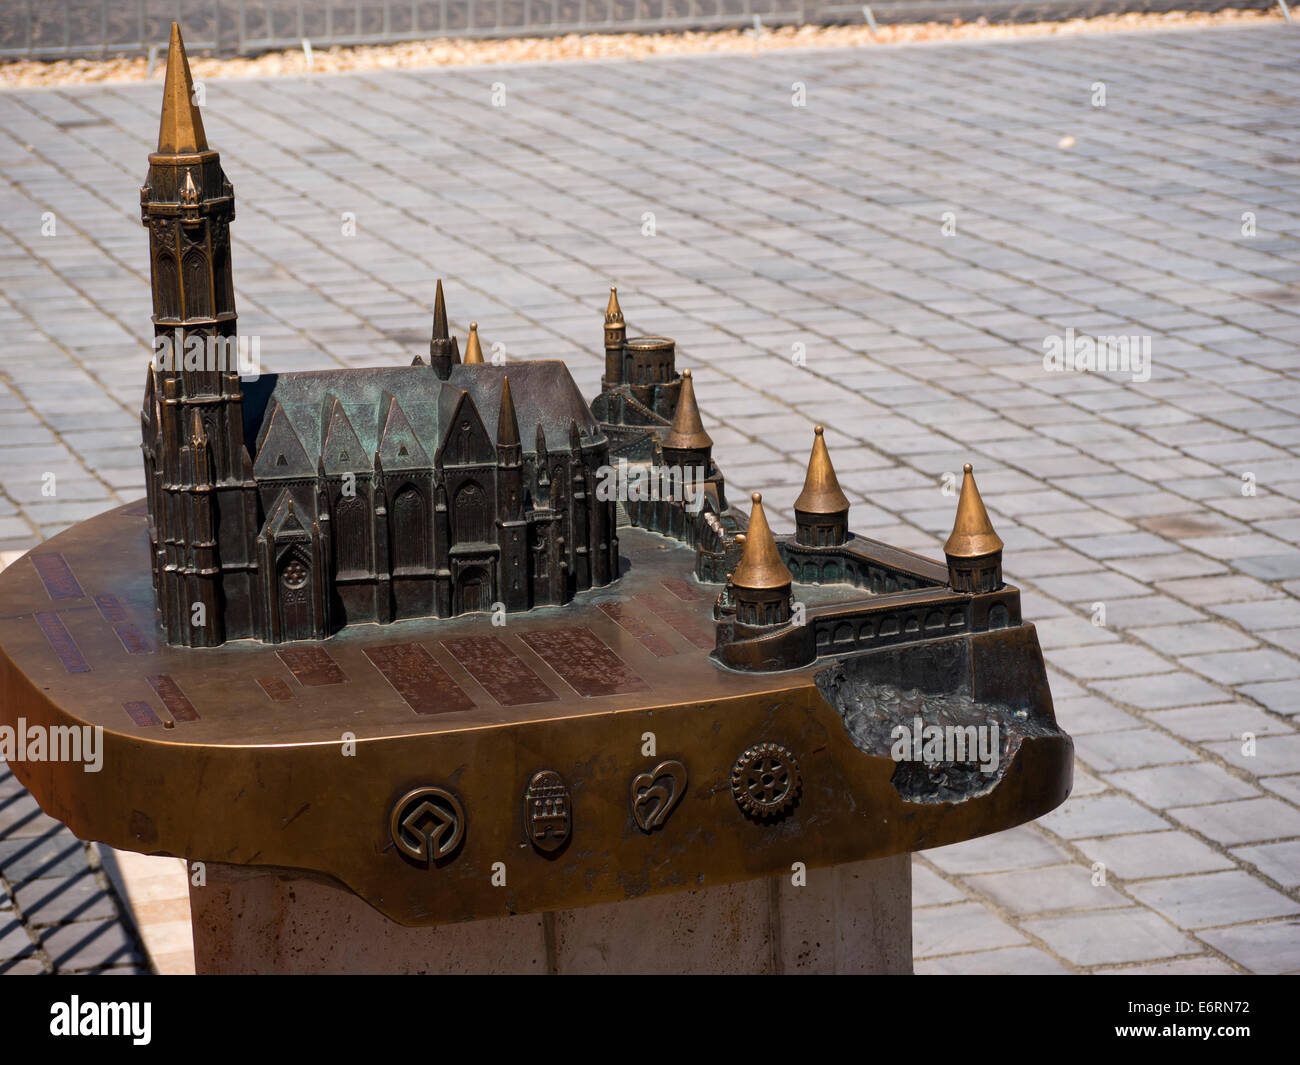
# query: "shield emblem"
[547,806]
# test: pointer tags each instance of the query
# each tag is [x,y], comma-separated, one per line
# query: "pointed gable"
[465,441]
[340,446]
[280,453]
[283,521]
[398,446]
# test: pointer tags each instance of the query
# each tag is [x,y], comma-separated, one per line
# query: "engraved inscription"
[276,689]
[504,675]
[62,642]
[684,590]
[585,662]
[176,701]
[135,642]
[418,679]
[57,577]
[629,621]
[312,666]
[110,609]
[141,713]
[680,619]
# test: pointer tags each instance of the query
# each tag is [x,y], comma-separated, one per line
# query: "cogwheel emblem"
[765,780]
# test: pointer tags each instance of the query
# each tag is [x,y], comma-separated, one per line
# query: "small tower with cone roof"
[974,550]
[615,338]
[822,510]
[760,585]
[444,353]
[686,444]
[473,350]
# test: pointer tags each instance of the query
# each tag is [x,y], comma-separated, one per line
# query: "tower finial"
[439,314]
[972,532]
[760,562]
[473,350]
[181,130]
[613,312]
[507,422]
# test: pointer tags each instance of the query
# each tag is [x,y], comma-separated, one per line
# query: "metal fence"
[57,29]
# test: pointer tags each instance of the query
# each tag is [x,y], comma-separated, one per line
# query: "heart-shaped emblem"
[654,794]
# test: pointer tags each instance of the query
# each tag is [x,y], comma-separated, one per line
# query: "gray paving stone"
[1272,754]
[1181,785]
[1017,848]
[1161,691]
[60,900]
[958,929]
[1270,947]
[1193,639]
[1101,815]
[1244,667]
[1108,937]
[1278,861]
[1247,821]
[1205,965]
[930,889]
[1007,961]
[1145,855]
[85,946]
[1105,751]
[1218,721]
[1046,890]
[1211,899]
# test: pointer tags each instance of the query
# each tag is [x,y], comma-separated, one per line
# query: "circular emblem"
[765,780]
[295,575]
[427,824]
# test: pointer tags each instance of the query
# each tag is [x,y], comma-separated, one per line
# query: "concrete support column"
[853,918]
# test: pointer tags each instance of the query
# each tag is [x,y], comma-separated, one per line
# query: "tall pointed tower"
[974,550]
[821,512]
[187,205]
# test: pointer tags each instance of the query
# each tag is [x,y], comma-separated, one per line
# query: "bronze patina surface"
[240,754]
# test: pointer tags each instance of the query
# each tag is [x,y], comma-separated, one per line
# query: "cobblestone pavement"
[1151,523]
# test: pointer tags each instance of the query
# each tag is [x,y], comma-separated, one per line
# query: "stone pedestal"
[851,918]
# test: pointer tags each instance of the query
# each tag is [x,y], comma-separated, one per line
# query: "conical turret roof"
[821,488]
[687,430]
[473,350]
[760,561]
[972,532]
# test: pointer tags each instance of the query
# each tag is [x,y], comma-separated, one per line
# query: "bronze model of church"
[290,506]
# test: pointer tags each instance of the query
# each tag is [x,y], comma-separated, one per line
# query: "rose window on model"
[295,575]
